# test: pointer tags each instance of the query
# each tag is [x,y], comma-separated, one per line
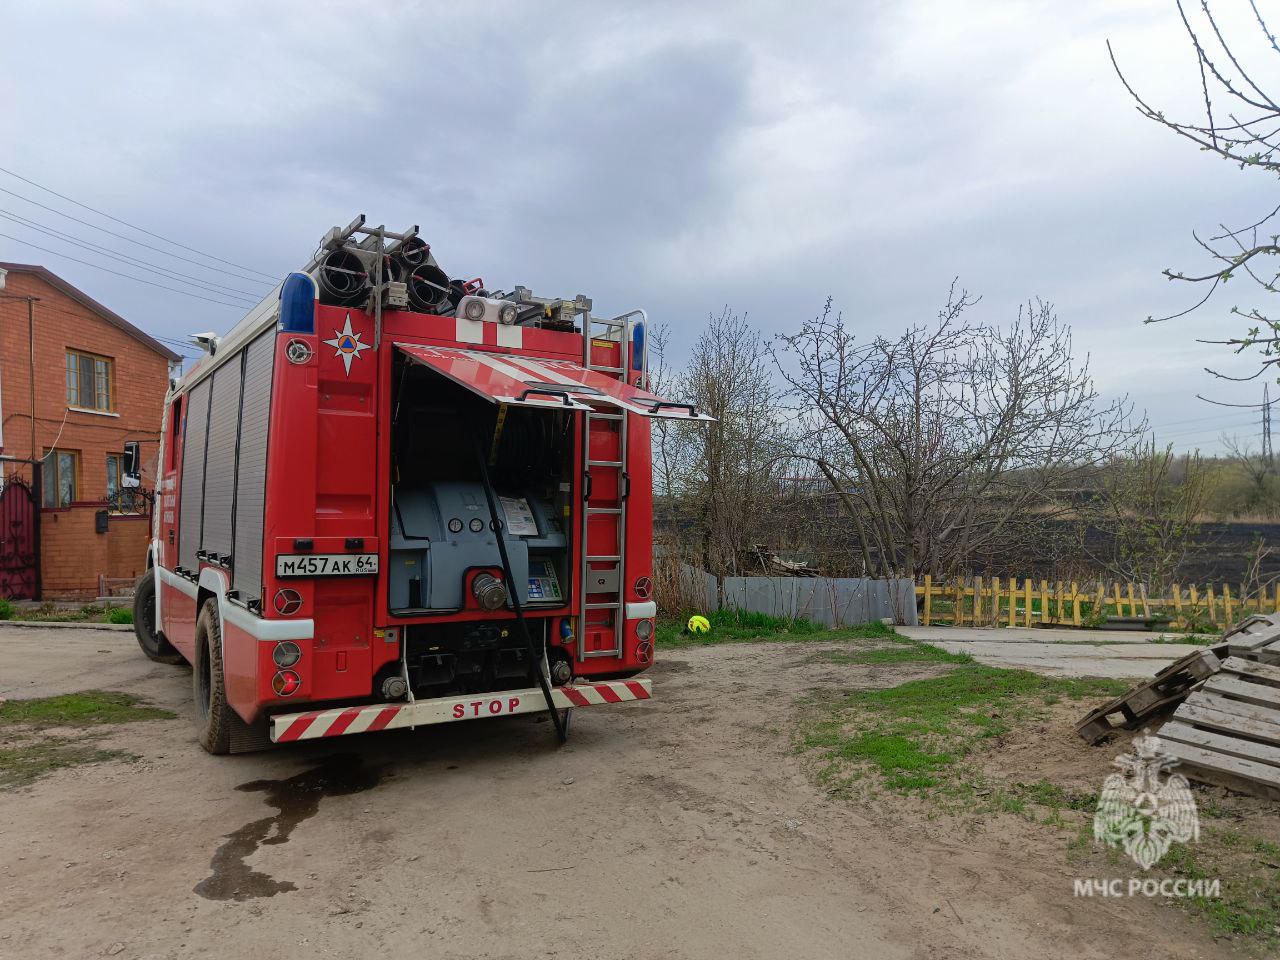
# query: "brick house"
[99,382]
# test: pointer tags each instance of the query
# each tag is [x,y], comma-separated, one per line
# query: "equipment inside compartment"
[442,538]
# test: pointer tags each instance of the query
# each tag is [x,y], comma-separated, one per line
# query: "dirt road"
[679,828]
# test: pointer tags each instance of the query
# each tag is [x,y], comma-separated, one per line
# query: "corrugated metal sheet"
[220,463]
[192,489]
[251,480]
[831,602]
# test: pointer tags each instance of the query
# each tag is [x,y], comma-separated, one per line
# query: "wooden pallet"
[1261,649]
[1227,733]
[1253,624]
[1255,638]
[1167,688]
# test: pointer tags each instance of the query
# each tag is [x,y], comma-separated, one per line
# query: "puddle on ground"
[295,799]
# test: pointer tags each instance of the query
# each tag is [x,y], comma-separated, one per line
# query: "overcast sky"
[674,156]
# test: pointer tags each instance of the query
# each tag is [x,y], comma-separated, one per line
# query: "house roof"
[75,293]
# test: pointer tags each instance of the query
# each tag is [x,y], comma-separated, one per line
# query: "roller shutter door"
[192,491]
[251,480]
[220,463]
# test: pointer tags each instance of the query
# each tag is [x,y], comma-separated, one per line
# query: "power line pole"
[1267,455]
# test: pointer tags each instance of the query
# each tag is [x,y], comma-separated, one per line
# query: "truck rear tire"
[150,639]
[213,713]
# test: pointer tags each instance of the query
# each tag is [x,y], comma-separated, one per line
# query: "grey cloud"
[671,155]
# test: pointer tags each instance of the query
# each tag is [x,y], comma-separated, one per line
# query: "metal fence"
[832,602]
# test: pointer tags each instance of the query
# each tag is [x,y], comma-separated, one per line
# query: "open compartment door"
[489,375]
[510,378]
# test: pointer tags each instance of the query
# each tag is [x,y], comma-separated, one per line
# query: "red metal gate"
[19,559]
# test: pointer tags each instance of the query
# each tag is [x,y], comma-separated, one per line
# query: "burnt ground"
[1219,551]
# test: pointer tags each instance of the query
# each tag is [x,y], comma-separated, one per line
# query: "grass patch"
[91,707]
[1048,794]
[913,653]
[912,732]
[1195,639]
[1250,903]
[27,753]
[23,764]
[50,612]
[740,626]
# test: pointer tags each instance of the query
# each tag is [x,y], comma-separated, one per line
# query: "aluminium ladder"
[603,575]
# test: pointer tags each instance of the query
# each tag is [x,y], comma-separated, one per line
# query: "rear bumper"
[287,727]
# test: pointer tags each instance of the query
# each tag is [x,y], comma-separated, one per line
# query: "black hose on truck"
[499,528]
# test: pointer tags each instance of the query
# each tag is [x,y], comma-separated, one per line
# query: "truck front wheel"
[150,639]
[213,714]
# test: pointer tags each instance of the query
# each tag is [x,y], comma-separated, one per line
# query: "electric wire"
[207,285]
[134,226]
[1208,432]
[186,352]
[1176,423]
[1233,421]
[185,293]
[121,236]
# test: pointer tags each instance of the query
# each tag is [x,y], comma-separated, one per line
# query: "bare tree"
[950,440]
[1145,517]
[1256,583]
[1240,123]
[723,476]
[1261,486]
[662,381]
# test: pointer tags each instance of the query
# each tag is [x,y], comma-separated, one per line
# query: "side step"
[367,718]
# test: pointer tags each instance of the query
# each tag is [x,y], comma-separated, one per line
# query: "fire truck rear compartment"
[444,555]
[467,657]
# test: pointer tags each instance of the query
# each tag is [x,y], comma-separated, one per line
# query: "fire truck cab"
[387,498]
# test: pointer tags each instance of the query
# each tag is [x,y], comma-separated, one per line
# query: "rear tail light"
[286,654]
[644,649]
[286,683]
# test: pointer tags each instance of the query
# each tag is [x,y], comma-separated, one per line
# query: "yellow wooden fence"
[1014,602]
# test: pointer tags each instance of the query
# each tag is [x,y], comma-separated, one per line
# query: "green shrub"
[6,609]
[120,615]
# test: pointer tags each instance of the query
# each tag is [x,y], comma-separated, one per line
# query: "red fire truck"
[387,498]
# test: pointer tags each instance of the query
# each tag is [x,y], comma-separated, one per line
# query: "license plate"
[326,564]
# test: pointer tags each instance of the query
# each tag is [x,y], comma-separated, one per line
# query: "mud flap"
[249,737]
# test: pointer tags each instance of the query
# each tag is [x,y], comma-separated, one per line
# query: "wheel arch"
[153,550]
[213,584]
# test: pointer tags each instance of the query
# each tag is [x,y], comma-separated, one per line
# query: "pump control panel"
[544,585]
[442,530]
